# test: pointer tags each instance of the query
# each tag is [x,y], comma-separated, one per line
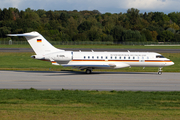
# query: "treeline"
[132,26]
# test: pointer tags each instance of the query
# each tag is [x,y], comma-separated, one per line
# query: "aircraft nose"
[170,63]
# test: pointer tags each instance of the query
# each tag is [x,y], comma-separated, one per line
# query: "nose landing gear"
[160,71]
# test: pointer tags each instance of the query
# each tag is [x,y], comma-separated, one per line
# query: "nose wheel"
[160,71]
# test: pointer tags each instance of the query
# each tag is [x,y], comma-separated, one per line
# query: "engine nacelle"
[38,57]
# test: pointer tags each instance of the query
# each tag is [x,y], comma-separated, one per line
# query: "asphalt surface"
[88,49]
[120,81]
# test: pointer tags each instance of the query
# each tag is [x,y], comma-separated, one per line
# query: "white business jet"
[92,60]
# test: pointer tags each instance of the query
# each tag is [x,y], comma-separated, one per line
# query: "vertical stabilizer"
[38,43]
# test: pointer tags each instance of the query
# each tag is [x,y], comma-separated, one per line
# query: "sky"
[103,6]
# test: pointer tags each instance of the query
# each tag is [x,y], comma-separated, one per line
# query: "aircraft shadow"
[71,72]
[65,73]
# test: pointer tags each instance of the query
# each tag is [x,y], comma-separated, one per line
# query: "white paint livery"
[92,60]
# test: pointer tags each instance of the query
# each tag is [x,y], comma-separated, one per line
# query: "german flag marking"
[39,40]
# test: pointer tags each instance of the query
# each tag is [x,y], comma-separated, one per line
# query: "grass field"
[23,61]
[88,105]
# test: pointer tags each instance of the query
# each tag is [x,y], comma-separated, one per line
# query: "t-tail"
[38,43]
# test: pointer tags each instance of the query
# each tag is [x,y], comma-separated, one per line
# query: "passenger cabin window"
[106,57]
[111,57]
[92,57]
[133,57]
[101,57]
[84,57]
[97,57]
[129,58]
[115,57]
[88,57]
[124,57]
[119,57]
[159,56]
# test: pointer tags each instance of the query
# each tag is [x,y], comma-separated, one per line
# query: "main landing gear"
[160,71]
[88,71]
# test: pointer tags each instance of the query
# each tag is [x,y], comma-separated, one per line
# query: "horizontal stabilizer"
[32,34]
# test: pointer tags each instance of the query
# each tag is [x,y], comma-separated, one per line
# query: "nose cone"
[169,63]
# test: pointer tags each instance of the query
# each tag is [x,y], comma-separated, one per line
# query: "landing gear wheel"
[159,73]
[88,71]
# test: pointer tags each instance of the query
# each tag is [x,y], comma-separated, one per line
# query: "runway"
[120,81]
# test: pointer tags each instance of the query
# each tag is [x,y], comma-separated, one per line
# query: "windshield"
[159,56]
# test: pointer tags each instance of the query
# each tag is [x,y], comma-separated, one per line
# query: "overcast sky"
[112,6]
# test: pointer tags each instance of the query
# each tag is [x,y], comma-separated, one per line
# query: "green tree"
[94,33]
[154,35]
[50,14]
[174,16]
[117,33]
[176,38]
[133,15]
[166,36]
[148,35]
[86,25]
[4,31]
[107,38]
[172,30]
[96,12]
[40,12]
[174,26]
[157,16]
[6,14]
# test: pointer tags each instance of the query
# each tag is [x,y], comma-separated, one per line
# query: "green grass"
[23,61]
[99,46]
[94,105]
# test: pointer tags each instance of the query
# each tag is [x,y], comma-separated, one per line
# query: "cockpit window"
[159,56]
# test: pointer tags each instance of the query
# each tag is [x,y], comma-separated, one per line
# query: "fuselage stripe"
[79,60]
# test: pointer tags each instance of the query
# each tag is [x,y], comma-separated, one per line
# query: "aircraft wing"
[97,66]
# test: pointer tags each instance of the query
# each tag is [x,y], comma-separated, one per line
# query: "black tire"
[88,71]
[159,73]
